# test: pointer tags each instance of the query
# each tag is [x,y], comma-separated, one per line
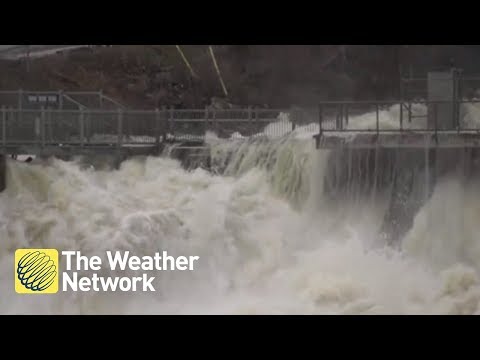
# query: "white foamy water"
[269,241]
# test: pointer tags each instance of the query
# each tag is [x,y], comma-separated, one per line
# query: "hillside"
[148,76]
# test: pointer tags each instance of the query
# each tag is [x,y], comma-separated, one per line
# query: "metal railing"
[53,127]
[87,127]
[399,117]
[61,100]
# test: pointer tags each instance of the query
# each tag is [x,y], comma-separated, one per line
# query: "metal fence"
[53,127]
[402,117]
[60,100]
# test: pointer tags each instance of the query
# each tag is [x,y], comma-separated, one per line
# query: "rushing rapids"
[279,227]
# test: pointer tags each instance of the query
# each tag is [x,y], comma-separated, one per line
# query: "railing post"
[457,114]
[60,99]
[345,110]
[20,104]
[409,112]
[320,119]
[293,118]
[250,119]
[165,123]
[171,121]
[377,114]
[257,120]
[82,127]
[4,126]
[215,122]
[42,126]
[339,118]
[401,116]
[50,124]
[157,128]
[120,128]
[87,125]
[205,129]
[435,120]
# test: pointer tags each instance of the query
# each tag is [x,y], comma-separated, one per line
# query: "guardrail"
[50,127]
[399,116]
[85,127]
[61,100]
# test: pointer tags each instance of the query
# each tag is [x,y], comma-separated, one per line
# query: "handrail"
[124,127]
[83,98]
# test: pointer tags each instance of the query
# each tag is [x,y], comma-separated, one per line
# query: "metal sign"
[42,99]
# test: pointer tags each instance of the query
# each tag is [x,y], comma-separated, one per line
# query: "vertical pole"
[157,126]
[257,120]
[82,127]
[120,128]
[293,117]
[88,125]
[60,99]
[42,126]
[375,173]
[214,117]
[401,116]
[455,97]
[50,124]
[320,119]
[377,114]
[205,129]
[4,126]
[346,114]
[337,119]
[250,120]
[3,167]
[20,104]
[165,123]
[171,123]
[427,170]
[457,120]
[320,126]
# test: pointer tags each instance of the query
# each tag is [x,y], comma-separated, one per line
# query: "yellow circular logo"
[36,271]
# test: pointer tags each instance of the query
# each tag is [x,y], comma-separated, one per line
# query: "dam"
[344,208]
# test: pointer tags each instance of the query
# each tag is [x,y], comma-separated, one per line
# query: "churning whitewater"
[269,238]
